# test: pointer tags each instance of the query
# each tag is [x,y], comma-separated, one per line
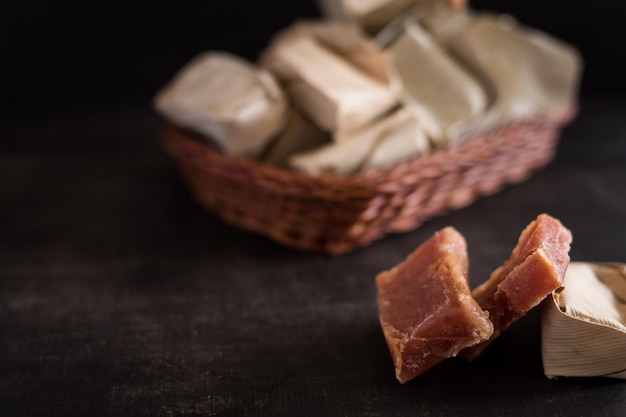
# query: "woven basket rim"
[378,174]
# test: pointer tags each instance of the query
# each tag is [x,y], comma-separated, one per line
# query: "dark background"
[73,53]
[119,296]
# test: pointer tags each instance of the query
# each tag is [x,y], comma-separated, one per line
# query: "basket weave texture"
[337,215]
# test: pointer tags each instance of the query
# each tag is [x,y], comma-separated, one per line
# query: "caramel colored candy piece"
[536,268]
[425,306]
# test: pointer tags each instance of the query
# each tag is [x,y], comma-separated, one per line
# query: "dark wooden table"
[120,297]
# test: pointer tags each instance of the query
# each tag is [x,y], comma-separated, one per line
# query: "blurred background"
[71,54]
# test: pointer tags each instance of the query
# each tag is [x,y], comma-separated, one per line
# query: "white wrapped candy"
[391,139]
[584,323]
[333,74]
[526,71]
[237,104]
[299,135]
[436,88]
[372,15]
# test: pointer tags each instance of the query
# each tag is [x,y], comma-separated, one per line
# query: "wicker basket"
[336,215]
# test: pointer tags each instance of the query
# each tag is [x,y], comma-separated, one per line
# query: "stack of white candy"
[328,99]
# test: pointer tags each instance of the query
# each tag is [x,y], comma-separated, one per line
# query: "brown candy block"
[425,306]
[536,268]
